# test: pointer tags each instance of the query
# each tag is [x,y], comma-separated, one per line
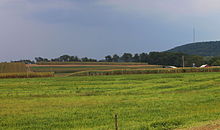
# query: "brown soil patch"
[207,127]
[211,126]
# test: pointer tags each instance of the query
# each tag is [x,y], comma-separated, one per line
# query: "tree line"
[65,58]
[158,58]
[154,58]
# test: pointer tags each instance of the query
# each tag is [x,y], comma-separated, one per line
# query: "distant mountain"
[211,48]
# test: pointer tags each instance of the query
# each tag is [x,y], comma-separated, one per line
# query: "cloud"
[57,11]
[166,8]
[66,10]
[50,28]
[40,4]
[81,28]
[24,7]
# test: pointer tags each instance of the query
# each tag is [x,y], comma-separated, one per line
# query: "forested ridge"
[211,48]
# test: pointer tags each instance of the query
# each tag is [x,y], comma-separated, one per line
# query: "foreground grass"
[157,101]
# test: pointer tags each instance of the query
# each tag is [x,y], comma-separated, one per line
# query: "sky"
[96,28]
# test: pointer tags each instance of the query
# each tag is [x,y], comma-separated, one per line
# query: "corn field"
[145,71]
[19,70]
[12,67]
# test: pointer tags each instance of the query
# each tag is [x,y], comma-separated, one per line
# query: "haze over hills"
[211,48]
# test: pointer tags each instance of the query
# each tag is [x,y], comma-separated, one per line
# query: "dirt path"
[211,126]
[207,127]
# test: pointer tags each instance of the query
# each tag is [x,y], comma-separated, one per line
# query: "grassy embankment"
[163,101]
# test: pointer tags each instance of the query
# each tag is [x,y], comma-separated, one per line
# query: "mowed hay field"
[161,101]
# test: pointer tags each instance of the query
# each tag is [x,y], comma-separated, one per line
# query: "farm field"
[107,68]
[162,101]
[20,70]
[61,68]
[12,68]
[90,63]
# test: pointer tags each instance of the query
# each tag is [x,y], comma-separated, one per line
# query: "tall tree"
[143,57]
[136,58]
[108,58]
[64,58]
[115,58]
[126,57]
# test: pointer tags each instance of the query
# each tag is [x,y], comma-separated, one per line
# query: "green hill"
[211,48]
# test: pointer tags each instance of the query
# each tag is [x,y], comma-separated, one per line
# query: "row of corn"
[145,71]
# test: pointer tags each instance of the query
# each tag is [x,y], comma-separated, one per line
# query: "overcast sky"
[96,28]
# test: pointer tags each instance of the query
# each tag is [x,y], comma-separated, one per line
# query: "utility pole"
[116,121]
[183,61]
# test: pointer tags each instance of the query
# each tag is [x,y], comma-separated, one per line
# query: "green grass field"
[147,101]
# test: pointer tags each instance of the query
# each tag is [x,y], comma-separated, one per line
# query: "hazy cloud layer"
[166,7]
[96,28]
